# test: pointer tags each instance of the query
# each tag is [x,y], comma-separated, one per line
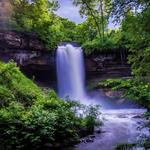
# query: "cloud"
[68,10]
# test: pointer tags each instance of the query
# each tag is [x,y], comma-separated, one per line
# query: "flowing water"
[70,72]
[120,122]
[120,127]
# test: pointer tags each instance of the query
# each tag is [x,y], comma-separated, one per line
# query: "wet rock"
[122,100]
[57,145]
[92,136]
[138,116]
[83,140]
[103,65]
[140,122]
[98,131]
[48,146]
[12,39]
[115,94]
[89,140]
[20,40]
[36,42]
[22,44]
[138,148]
[122,116]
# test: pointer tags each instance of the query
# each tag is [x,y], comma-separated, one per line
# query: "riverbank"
[119,127]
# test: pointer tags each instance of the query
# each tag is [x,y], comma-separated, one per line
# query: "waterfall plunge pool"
[120,122]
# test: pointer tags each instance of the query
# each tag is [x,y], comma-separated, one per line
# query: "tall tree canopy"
[93,34]
[28,14]
[135,17]
[39,16]
[121,7]
[99,10]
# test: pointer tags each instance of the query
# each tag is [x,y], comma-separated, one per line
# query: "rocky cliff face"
[107,65]
[20,41]
[28,52]
[35,60]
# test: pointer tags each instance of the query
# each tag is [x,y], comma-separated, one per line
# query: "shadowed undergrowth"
[32,119]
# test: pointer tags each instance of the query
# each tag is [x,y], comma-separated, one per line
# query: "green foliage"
[49,28]
[145,143]
[114,40]
[119,8]
[6,96]
[133,35]
[124,147]
[136,29]
[69,30]
[116,83]
[23,18]
[91,118]
[56,30]
[30,117]
[87,28]
[98,46]
[98,10]
[133,89]
[17,85]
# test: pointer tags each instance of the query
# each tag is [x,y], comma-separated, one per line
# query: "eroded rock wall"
[35,60]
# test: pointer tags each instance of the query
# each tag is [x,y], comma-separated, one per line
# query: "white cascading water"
[70,72]
[70,76]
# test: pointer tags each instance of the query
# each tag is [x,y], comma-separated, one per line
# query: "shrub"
[6,96]
[133,89]
[91,118]
[22,88]
[30,118]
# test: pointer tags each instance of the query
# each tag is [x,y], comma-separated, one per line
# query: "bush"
[91,117]
[142,144]
[22,88]
[6,96]
[30,118]
[133,89]
[97,45]
[124,147]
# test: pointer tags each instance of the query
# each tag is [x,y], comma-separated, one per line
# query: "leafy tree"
[121,7]
[37,16]
[99,10]
[136,29]
[28,14]
[134,17]
[49,27]
[87,28]
[68,29]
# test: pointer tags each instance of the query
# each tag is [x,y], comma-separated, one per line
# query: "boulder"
[20,40]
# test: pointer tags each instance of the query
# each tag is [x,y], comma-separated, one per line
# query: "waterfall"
[70,72]
[71,79]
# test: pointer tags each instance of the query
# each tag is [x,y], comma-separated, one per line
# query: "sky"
[68,10]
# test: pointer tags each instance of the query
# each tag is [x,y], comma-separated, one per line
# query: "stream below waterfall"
[121,121]
[119,127]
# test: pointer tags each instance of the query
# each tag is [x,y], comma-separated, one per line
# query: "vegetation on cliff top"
[133,33]
[133,89]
